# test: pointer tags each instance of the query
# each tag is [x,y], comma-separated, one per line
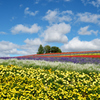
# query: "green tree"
[47,49]
[40,50]
[55,49]
[59,50]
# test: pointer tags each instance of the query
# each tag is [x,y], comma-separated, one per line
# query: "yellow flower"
[99,96]
[67,82]
[13,98]
[89,89]
[64,96]
[79,97]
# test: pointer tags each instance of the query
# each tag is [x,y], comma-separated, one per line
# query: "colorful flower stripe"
[78,55]
[71,54]
[56,54]
[89,56]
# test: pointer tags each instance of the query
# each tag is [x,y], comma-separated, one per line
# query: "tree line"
[48,49]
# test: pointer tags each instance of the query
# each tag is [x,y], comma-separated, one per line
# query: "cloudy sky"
[71,25]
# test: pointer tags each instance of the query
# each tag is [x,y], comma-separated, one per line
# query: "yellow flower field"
[18,83]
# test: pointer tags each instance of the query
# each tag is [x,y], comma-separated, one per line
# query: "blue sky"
[71,25]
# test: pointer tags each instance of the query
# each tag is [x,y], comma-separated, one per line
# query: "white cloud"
[84,31]
[26,11]
[31,47]
[56,16]
[5,45]
[85,2]
[95,32]
[77,45]
[36,41]
[16,52]
[51,16]
[95,3]
[88,17]
[6,48]
[2,32]
[56,33]
[24,29]
[67,11]
[97,42]
[65,18]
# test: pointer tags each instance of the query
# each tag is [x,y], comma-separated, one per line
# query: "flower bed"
[18,83]
[76,57]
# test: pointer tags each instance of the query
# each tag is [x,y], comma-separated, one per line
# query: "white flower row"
[66,65]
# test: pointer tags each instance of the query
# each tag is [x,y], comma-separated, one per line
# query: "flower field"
[81,57]
[58,76]
[42,80]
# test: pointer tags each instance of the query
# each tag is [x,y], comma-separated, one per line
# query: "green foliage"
[47,49]
[40,50]
[55,49]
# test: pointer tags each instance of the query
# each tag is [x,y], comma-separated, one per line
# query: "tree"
[40,50]
[55,49]
[47,49]
[59,51]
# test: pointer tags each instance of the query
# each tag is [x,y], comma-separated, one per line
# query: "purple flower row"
[63,59]
[68,59]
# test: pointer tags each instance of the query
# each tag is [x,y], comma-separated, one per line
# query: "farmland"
[60,76]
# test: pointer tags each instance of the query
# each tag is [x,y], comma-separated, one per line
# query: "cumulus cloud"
[77,45]
[56,33]
[24,29]
[36,41]
[26,11]
[88,17]
[31,46]
[8,48]
[84,31]
[96,41]
[5,47]
[56,16]
[51,16]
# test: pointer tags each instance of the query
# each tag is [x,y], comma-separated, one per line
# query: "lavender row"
[69,59]
[64,59]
